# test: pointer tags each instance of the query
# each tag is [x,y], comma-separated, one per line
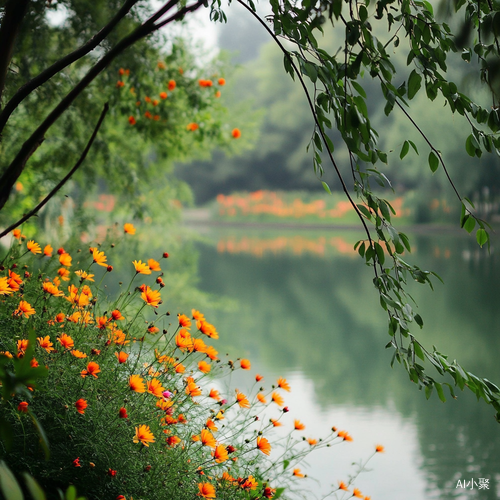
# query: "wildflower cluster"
[133,404]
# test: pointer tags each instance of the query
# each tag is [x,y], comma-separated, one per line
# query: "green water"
[303,307]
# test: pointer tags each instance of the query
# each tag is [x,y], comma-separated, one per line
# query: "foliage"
[339,101]
[137,144]
[133,402]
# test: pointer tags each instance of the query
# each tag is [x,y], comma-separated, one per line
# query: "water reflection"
[312,314]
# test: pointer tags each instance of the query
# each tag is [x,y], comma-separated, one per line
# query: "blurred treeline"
[280,161]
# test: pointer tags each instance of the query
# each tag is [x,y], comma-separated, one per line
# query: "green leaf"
[433,161]
[412,144]
[326,187]
[471,145]
[34,488]
[279,492]
[404,149]
[481,237]
[439,389]
[359,89]
[469,225]
[8,484]
[286,463]
[380,253]
[420,322]
[428,391]
[43,437]
[71,493]
[364,211]
[414,84]
[418,350]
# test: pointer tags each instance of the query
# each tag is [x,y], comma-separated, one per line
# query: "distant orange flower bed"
[285,205]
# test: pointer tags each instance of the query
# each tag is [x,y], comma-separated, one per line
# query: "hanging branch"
[77,165]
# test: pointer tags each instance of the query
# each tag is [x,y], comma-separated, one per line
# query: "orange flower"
[261,398]
[192,389]
[136,383]
[65,259]
[184,342]
[117,315]
[263,445]
[155,388]
[141,268]
[84,275]
[78,354]
[204,367]
[245,364]
[242,399]
[277,399]
[52,289]
[197,315]
[236,133]
[207,438]
[143,435]
[22,345]
[5,288]
[283,384]
[153,329]
[153,265]
[101,322]
[161,65]
[17,234]
[80,405]
[151,297]
[163,95]
[34,363]
[379,448]
[312,441]
[296,472]
[63,273]
[122,356]
[342,486]
[356,493]
[129,228]
[199,345]
[218,94]
[66,341]
[173,441]
[206,490]
[23,407]
[347,437]
[192,127]
[184,321]
[131,120]
[214,394]
[299,426]
[92,369]
[210,352]
[33,247]
[210,425]
[249,484]
[99,257]
[207,329]
[258,378]
[122,413]
[221,81]
[47,251]
[275,422]
[148,114]
[24,309]
[45,343]
[220,454]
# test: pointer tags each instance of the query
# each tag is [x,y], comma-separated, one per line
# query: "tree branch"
[59,65]
[14,13]
[64,180]
[16,167]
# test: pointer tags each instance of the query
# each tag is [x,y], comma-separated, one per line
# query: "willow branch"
[77,165]
[62,63]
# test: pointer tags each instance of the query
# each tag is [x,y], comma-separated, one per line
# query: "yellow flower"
[151,297]
[84,275]
[99,257]
[154,265]
[155,388]
[33,247]
[263,445]
[144,435]
[141,268]
[136,383]
[65,259]
[5,289]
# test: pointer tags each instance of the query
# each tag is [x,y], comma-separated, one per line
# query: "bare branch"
[77,165]
[16,167]
[59,65]
[14,13]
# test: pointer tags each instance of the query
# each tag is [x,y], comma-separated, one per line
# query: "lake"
[301,304]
